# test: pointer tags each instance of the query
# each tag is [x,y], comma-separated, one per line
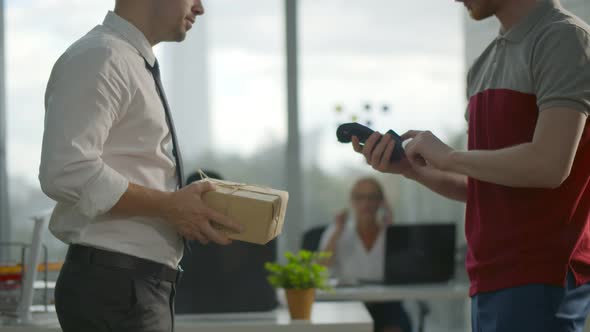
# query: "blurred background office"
[388,64]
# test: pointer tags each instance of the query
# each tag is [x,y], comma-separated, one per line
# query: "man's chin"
[478,16]
[180,36]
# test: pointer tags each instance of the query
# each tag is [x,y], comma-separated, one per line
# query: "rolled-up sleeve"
[86,95]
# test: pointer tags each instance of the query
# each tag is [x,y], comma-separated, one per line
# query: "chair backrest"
[231,278]
[311,238]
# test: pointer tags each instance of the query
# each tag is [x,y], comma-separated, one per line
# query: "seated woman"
[357,242]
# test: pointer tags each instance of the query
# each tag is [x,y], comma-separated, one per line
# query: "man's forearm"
[142,201]
[518,166]
[448,184]
[545,162]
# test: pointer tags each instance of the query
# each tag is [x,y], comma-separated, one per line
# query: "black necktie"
[155,70]
[175,148]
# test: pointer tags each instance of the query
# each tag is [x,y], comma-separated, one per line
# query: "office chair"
[311,238]
[222,279]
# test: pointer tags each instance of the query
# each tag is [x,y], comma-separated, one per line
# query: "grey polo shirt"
[546,55]
[519,236]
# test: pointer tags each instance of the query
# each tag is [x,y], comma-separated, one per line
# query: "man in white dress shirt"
[111,160]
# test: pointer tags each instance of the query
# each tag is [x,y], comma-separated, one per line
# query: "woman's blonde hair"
[372,180]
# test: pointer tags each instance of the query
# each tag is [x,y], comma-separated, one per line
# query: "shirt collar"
[132,35]
[520,31]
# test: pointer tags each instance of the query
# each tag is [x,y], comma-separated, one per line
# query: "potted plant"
[300,277]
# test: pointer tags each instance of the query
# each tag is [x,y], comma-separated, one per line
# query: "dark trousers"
[532,308]
[100,291]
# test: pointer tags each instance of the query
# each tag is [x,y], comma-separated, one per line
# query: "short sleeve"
[561,68]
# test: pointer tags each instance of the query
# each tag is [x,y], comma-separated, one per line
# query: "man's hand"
[192,217]
[340,221]
[387,216]
[425,149]
[420,163]
[332,244]
[377,151]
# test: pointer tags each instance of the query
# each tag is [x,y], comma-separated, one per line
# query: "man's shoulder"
[567,20]
[98,47]
[560,24]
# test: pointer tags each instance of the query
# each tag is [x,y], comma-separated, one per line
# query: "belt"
[88,255]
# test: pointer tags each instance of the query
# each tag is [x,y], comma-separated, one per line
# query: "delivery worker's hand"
[425,149]
[377,151]
[192,217]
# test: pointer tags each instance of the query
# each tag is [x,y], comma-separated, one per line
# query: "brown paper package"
[259,209]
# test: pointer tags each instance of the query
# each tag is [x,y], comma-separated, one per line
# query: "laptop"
[422,253]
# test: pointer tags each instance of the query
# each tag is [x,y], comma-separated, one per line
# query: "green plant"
[302,271]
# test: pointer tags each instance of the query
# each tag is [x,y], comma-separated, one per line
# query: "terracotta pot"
[300,302]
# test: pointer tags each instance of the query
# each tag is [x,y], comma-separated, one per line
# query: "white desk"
[383,293]
[424,292]
[326,317]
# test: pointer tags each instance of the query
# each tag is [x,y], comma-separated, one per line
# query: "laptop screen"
[421,253]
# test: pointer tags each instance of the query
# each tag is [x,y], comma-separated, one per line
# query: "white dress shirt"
[352,262]
[105,126]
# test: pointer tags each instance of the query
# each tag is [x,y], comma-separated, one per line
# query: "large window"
[246,82]
[37,33]
[390,65]
[240,131]
[225,84]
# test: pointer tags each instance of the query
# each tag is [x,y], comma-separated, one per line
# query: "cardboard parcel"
[259,209]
